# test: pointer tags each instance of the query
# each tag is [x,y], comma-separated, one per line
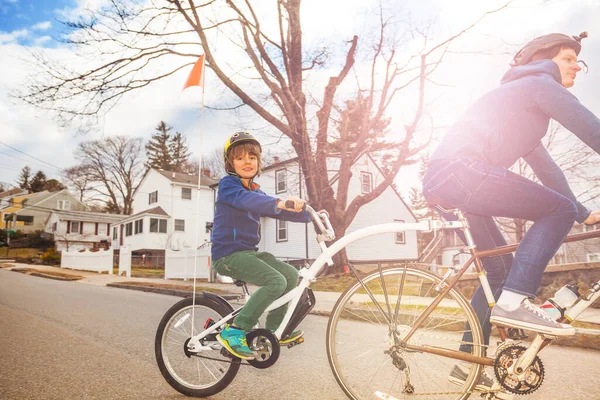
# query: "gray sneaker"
[459,374]
[531,317]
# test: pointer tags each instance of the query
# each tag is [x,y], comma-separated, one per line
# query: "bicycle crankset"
[266,347]
[525,383]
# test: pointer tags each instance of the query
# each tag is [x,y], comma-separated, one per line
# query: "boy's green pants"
[274,277]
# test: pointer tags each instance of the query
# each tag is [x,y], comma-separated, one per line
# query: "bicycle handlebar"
[321,220]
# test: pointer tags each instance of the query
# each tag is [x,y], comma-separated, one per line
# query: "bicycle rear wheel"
[202,374]
[366,357]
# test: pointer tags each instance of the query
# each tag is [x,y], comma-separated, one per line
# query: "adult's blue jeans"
[483,191]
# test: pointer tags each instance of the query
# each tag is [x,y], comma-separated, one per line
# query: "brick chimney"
[275,159]
[206,172]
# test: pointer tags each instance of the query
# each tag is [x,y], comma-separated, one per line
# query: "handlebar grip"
[291,204]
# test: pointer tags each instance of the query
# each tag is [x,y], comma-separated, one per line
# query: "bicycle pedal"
[296,342]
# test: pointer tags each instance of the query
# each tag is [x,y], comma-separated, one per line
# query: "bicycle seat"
[239,282]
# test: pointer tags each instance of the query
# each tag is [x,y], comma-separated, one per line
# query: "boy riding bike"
[469,171]
[236,234]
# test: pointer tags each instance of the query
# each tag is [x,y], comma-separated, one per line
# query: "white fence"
[99,261]
[180,264]
[125,261]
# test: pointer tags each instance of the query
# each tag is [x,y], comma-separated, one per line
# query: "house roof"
[178,177]
[280,163]
[152,211]
[88,216]
[12,192]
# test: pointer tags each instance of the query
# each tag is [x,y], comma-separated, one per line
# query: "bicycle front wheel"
[367,326]
[194,374]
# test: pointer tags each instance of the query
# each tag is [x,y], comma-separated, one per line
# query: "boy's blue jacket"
[510,121]
[237,216]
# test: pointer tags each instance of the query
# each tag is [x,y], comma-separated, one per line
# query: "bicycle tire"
[200,375]
[358,335]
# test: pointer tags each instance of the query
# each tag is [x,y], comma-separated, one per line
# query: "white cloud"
[42,26]
[11,1]
[13,36]
[41,40]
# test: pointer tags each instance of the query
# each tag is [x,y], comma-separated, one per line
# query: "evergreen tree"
[157,149]
[179,152]
[24,177]
[38,182]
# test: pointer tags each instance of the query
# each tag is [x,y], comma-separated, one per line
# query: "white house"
[165,214]
[297,242]
[78,230]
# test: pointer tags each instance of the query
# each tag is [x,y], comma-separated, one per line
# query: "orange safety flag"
[196,77]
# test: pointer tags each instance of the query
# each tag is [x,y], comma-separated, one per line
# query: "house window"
[54,226]
[158,225]
[282,235]
[115,234]
[280,181]
[180,225]
[366,184]
[400,236]
[102,229]
[28,222]
[593,257]
[76,227]
[139,226]
[63,204]
[129,229]
[186,193]
[561,255]
[153,197]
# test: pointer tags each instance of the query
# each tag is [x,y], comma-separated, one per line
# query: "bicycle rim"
[199,375]
[365,358]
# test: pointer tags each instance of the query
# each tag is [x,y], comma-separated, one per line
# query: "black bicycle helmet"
[545,42]
[237,138]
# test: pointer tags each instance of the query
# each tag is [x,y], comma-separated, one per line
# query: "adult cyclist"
[470,171]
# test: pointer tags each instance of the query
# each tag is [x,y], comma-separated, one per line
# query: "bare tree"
[77,178]
[114,168]
[269,78]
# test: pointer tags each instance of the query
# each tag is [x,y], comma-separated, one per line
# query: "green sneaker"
[234,340]
[292,337]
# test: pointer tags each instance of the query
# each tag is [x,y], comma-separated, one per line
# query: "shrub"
[40,240]
[51,256]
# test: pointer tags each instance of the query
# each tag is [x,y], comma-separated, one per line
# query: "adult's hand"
[593,218]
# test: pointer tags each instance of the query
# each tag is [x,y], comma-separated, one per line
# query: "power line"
[35,158]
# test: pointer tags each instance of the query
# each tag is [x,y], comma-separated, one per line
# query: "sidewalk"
[325,301]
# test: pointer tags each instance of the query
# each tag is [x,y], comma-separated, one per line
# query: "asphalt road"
[68,340]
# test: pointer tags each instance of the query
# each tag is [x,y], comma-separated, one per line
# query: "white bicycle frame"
[308,274]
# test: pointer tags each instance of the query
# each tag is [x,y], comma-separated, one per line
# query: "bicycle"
[393,334]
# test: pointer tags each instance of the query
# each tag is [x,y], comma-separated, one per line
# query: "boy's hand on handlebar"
[593,218]
[291,203]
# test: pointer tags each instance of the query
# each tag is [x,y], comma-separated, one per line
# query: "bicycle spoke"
[354,322]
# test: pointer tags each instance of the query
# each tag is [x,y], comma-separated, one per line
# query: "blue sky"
[37,17]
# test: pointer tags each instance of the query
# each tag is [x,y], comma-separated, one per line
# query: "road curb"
[47,276]
[170,292]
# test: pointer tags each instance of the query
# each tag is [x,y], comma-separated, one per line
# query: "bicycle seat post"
[466,229]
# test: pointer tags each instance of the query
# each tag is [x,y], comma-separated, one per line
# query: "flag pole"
[196,78]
